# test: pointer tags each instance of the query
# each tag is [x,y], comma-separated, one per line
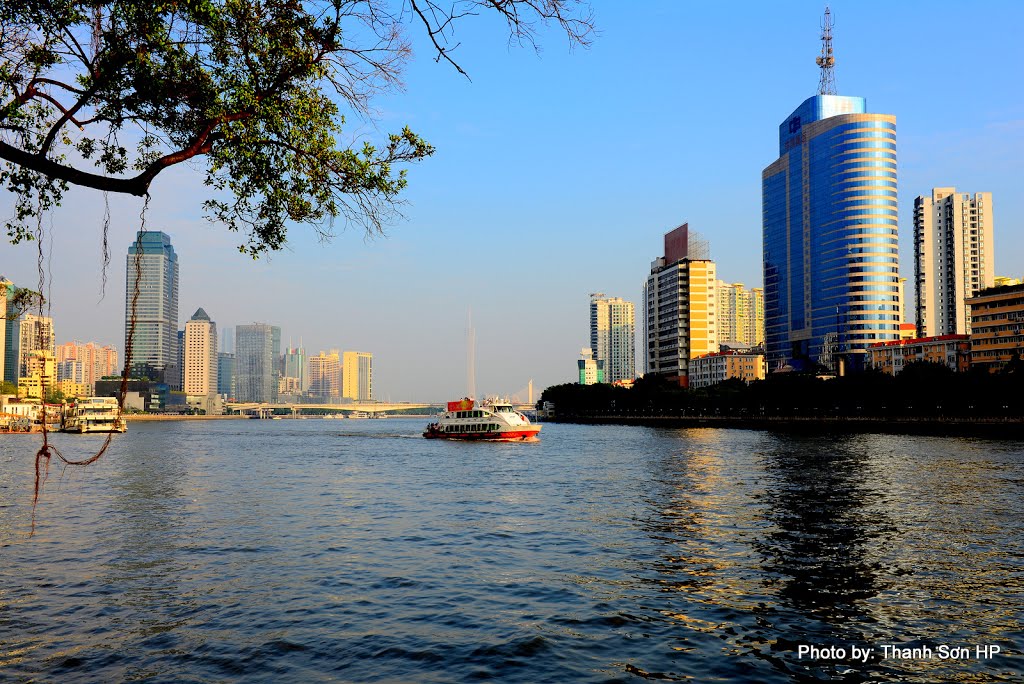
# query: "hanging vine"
[48,451]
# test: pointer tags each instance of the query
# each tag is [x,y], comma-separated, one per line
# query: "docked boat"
[495,421]
[93,414]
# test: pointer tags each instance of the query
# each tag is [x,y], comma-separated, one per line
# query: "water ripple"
[203,552]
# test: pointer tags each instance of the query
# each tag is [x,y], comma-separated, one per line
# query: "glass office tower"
[257,354]
[831,281]
[155,344]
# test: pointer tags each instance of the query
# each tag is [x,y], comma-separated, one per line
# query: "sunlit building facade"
[680,306]
[86,362]
[591,371]
[357,375]
[710,369]
[954,258]
[200,361]
[952,351]
[325,375]
[613,336]
[997,326]
[35,334]
[740,314]
[829,214]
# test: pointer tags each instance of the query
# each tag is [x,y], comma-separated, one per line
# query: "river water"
[315,550]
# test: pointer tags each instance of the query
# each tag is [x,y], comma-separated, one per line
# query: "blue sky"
[556,175]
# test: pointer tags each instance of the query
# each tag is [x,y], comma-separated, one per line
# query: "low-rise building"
[591,369]
[997,326]
[952,351]
[73,390]
[140,395]
[711,369]
[208,404]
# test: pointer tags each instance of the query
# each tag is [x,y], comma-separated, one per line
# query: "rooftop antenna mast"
[827,85]
[470,357]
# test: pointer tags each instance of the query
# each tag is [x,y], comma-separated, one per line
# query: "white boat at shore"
[93,414]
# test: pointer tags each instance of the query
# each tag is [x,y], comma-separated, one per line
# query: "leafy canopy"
[107,94]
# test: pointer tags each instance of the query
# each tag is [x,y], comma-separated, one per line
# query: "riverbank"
[940,426]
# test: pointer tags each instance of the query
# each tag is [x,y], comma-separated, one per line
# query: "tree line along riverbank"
[925,398]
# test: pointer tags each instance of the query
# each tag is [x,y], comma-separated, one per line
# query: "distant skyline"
[556,175]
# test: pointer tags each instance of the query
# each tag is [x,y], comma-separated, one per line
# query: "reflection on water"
[283,550]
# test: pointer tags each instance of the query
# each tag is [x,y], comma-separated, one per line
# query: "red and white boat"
[492,421]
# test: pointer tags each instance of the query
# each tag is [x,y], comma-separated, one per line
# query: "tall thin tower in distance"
[470,357]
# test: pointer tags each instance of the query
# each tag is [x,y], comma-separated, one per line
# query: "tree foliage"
[108,94]
[921,389]
[20,300]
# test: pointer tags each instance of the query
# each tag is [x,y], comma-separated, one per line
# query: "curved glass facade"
[829,217]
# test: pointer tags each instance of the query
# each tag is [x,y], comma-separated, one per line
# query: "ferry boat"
[93,414]
[494,421]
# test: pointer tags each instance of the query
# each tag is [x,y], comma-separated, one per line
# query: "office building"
[954,258]
[680,303]
[226,374]
[8,319]
[200,362]
[295,366]
[613,336]
[997,326]
[153,348]
[829,216]
[256,362]
[357,376]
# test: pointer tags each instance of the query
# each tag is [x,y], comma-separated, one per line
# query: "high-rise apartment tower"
[200,355]
[954,258]
[680,304]
[613,336]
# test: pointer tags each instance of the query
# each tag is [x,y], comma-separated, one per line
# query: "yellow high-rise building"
[357,376]
[680,307]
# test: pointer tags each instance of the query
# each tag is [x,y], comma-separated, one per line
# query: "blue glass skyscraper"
[829,215]
[154,349]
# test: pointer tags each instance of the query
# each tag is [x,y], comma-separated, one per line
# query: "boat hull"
[89,429]
[524,434]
